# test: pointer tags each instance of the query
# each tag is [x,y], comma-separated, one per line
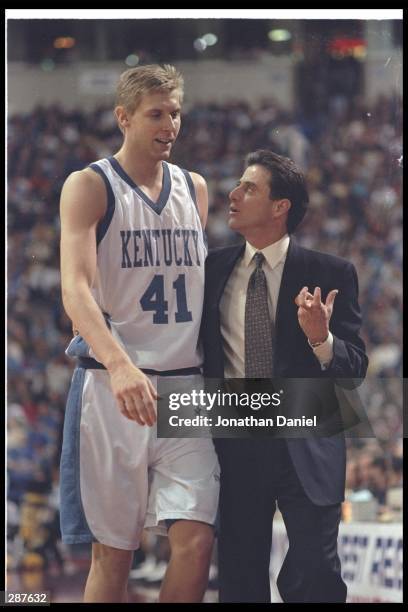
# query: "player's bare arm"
[202,196]
[83,204]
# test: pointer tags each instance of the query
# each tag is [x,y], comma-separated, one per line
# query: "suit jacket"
[319,461]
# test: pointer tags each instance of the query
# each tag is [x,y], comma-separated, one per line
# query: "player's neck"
[141,169]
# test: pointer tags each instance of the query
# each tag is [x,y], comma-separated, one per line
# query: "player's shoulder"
[197,178]
[86,178]
[84,191]
[197,187]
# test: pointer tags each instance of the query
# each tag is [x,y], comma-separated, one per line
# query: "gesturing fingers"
[317,297]
[307,300]
[300,299]
[331,297]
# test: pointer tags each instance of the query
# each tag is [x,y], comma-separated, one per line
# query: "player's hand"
[135,394]
[314,315]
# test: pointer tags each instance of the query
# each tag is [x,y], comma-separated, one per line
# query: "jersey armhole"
[191,188]
[192,191]
[104,223]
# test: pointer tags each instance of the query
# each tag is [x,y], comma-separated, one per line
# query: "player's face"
[155,124]
[250,205]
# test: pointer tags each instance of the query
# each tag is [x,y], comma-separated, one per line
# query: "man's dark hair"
[287,181]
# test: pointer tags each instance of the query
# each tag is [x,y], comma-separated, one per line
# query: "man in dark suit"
[275,309]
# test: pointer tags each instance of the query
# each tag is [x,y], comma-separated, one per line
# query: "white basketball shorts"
[118,478]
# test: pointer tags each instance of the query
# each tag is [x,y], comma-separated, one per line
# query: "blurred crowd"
[352,157]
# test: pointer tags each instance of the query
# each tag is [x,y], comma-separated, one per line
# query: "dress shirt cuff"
[324,352]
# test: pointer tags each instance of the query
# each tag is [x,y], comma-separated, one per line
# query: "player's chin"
[164,155]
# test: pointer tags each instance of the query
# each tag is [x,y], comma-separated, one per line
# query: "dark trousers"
[255,475]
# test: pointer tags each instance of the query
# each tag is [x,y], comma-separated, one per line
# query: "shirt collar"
[274,253]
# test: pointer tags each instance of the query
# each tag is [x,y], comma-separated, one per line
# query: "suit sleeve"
[349,356]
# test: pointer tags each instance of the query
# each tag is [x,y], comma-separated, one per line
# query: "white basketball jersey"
[150,268]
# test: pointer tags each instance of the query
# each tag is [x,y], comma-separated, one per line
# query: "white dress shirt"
[232,305]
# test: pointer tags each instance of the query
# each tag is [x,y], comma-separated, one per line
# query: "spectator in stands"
[378,480]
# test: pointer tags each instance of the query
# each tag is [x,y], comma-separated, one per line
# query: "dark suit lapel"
[217,275]
[231,257]
[286,312]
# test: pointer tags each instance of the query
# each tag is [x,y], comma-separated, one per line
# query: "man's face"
[250,205]
[155,124]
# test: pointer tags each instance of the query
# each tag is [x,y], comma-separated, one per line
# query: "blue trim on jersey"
[74,526]
[191,187]
[193,194]
[105,222]
[158,206]
[205,239]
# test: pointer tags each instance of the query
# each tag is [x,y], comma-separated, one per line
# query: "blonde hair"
[136,82]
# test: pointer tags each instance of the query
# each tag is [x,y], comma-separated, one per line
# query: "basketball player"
[132,265]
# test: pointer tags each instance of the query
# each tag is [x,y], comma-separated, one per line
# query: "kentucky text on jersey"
[154,247]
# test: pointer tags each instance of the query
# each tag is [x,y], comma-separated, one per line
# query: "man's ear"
[121,116]
[282,206]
